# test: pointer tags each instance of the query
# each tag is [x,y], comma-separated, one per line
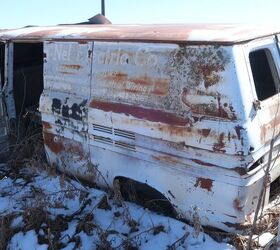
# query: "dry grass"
[6,232]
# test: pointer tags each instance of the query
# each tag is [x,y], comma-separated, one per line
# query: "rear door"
[64,105]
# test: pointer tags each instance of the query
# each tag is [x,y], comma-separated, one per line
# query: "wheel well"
[144,195]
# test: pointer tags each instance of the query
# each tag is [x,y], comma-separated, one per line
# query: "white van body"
[189,110]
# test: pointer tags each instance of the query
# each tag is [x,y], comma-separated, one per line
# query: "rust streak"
[82,42]
[207,164]
[67,73]
[144,84]
[238,130]
[140,113]
[220,145]
[215,109]
[72,66]
[166,158]
[241,171]
[204,183]
[237,205]
[205,132]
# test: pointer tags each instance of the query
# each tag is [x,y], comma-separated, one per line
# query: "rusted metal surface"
[213,33]
[177,117]
[172,115]
[204,183]
[67,68]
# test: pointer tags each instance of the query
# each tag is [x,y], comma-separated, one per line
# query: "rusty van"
[186,112]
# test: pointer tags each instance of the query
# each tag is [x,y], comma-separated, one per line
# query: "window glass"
[264,73]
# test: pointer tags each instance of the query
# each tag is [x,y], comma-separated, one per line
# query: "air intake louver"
[111,136]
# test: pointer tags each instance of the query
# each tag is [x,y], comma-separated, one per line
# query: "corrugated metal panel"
[213,33]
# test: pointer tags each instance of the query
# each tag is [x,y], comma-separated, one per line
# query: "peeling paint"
[167,110]
[204,183]
[219,146]
[60,145]
[76,111]
[141,113]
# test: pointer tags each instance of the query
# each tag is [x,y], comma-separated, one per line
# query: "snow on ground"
[40,210]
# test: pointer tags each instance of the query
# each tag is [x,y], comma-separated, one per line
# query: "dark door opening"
[27,76]
[26,132]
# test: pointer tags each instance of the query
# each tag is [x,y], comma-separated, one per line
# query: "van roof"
[185,33]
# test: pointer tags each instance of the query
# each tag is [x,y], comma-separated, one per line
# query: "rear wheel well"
[144,195]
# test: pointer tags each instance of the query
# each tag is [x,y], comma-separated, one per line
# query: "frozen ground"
[43,210]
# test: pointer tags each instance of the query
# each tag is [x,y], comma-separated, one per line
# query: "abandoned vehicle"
[186,112]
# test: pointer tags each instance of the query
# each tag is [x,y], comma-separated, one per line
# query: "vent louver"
[112,135]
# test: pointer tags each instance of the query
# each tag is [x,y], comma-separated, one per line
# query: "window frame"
[268,43]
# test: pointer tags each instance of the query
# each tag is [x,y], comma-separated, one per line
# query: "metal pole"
[103,7]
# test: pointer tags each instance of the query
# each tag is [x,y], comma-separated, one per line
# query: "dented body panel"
[177,113]
[166,110]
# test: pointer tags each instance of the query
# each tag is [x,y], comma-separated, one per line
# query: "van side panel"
[167,115]
[184,94]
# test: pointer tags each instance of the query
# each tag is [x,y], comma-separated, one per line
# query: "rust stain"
[82,42]
[220,144]
[205,64]
[213,109]
[46,126]
[203,163]
[225,34]
[237,205]
[273,126]
[60,145]
[140,85]
[238,131]
[55,146]
[166,158]
[42,33]
[72,66]
[210,74]
[67,73]
[241,171]
[205,132]
[141,113]
[204,183]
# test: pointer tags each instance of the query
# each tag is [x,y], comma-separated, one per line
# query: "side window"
[264,73]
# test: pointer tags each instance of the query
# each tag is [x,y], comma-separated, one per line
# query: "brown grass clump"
[6,232]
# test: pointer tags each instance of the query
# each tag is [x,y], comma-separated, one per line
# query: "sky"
[19,13]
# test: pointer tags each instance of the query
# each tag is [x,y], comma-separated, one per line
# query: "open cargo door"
[4,143]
